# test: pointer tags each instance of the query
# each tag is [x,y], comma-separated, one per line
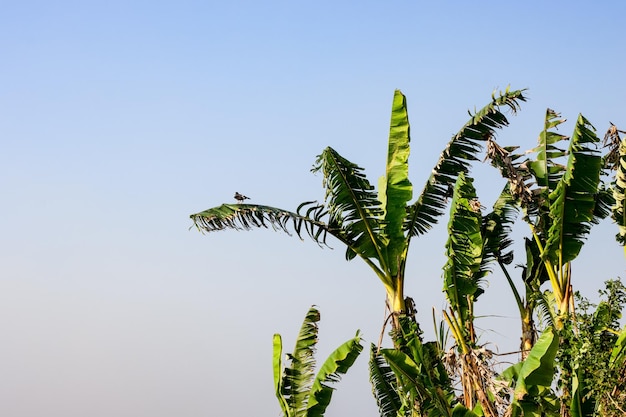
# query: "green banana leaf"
[532,377]
[618,354]
[459,153]
[496,229]
[299,376]
[545,168]
[249,216]
[462,272]
[395,188]
[422,380]
[353,206]
[619,194]
[337,364]
[278,374]
[384,385]
[574,203]
[301,392]
[581,406]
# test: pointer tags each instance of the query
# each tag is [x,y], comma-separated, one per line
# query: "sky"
[119,119]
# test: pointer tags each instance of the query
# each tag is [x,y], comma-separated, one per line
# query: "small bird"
[240,197]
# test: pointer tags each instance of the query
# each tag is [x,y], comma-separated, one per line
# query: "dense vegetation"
[561,188]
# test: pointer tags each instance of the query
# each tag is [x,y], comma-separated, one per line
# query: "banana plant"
[475,242]
[376,226]
[560,202]
[301,392]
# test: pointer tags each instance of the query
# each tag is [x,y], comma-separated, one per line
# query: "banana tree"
[474,243]
[376,226]
[560,202]
[301,392]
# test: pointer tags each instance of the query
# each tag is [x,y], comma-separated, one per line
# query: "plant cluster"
[572,364]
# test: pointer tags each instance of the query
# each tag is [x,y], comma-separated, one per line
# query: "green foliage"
[560,201]
[375,226]
[574,203]
[395,188]
[462,272]
[588,356]
[301,392]
[459,153]
[576,368]
[422,385]
[615,159]
[385,387]
[531,379]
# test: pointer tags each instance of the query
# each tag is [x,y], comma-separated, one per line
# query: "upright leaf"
[545,168]
[619,194]
[278,374]
[581,405]
[573,203]
[299,376]
[395,189]
[464,248]
[301,392]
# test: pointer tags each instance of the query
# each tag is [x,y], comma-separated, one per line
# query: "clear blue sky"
[118,119]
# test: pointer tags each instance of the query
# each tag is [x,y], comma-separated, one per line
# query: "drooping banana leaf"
[352,205]
[496,229]
[462,149]
[248,216]
[337,364]
[546,307]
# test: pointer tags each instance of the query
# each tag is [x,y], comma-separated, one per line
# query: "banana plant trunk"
[396,303]
[529,336]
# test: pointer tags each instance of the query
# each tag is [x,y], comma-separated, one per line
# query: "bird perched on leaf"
[241,198]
